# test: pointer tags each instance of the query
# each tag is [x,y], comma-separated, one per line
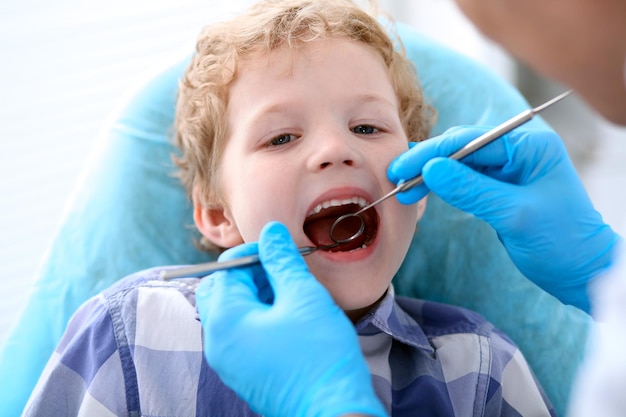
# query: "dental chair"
[130,213]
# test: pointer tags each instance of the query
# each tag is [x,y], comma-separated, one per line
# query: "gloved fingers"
[413,195]
[471,191]
[276,244]
[534,154]
[286,269]
[410,163]
[224,301]
[233,290]
[264,290]
[239,251]
[215,292]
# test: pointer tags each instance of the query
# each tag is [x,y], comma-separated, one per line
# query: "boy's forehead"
[281,60]
[326,58]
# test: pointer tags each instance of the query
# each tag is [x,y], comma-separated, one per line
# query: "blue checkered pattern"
[136,350]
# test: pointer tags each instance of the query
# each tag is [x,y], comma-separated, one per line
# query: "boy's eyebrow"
[279,108]
[372,98]
[262,114]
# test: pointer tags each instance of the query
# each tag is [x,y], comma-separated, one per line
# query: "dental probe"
[203,269]
[470,147]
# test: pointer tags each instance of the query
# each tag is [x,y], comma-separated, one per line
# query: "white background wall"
[66,64]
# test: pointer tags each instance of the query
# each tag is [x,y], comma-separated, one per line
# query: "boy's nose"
[334,150]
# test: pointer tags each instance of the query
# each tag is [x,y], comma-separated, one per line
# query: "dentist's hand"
[525,186]
[297,355]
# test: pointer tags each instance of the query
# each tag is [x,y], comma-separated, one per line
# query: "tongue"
[318,231]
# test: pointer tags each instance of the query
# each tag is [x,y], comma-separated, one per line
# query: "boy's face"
[307,127]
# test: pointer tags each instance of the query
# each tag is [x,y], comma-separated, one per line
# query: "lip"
[352,256]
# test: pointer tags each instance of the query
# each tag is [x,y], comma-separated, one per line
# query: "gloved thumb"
[286,269]
[264,290]
[279,255]
[470,191]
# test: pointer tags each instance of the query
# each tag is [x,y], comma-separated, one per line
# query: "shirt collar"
[388,317]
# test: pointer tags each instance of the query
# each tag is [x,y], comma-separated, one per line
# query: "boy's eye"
[365,129]
[282,139]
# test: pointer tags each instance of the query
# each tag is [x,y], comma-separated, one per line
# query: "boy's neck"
[359,313]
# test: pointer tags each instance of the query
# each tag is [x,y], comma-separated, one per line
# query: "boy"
[290,113]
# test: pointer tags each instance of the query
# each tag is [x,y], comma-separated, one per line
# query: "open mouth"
[319,221]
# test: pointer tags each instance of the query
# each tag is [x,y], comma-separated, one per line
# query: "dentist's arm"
[525,186]
[293,353]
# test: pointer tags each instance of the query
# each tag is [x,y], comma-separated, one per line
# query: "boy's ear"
[216,223]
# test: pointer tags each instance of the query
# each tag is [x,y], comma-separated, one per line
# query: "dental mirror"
[351,222]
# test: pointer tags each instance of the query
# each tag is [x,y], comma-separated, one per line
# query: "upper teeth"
[336,203]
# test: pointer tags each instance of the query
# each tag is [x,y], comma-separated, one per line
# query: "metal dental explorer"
[204,269]
[470,147]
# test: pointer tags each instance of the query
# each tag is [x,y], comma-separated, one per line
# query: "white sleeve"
[599,389]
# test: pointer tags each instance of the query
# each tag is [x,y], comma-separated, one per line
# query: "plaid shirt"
[136,350]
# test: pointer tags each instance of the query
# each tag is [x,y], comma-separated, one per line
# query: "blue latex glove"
[525,186]
[298,356]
